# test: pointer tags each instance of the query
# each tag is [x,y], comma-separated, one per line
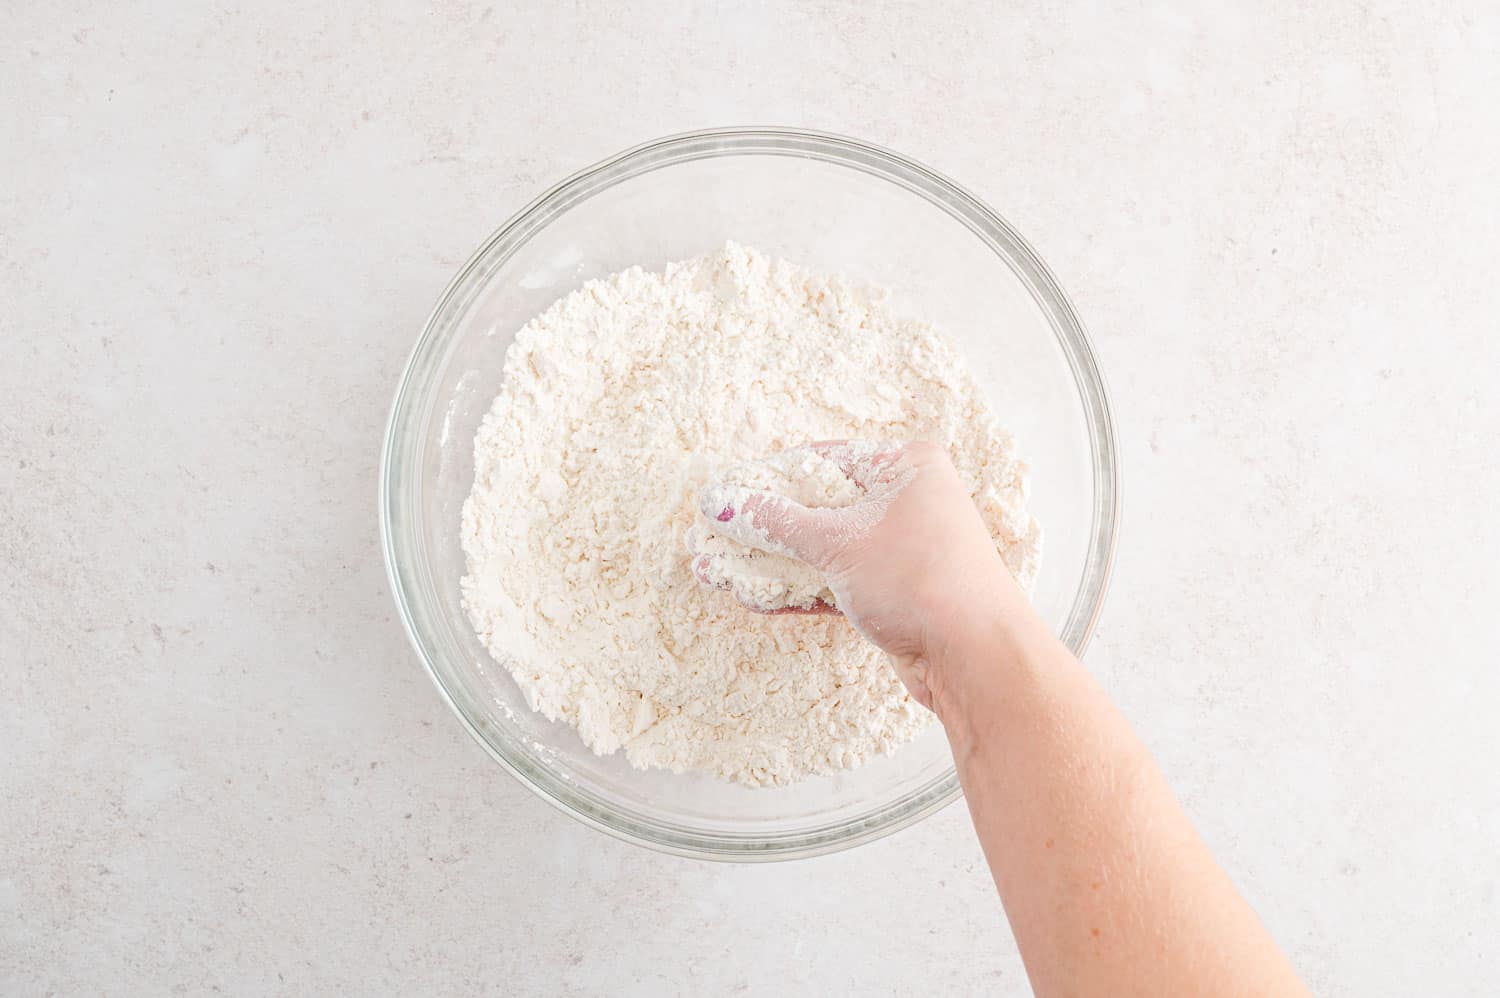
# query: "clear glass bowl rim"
[401,456]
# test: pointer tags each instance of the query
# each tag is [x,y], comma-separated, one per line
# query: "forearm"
[1107,887]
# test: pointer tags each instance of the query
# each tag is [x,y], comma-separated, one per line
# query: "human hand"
[907,562]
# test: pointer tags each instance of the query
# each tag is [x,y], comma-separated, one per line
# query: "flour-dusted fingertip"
[716,503]
[701,565]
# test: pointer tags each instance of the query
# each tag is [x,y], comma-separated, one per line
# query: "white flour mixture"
[620,403]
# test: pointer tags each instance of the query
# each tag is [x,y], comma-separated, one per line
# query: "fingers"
[770,522]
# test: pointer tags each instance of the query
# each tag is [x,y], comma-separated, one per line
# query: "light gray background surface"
[221,767]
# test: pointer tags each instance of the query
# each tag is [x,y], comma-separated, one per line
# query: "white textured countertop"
[221,766]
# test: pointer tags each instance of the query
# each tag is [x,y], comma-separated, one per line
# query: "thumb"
[771,522]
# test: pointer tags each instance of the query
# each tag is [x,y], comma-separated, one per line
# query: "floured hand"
[899,549]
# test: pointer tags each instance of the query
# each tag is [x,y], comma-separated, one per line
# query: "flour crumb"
[619,404]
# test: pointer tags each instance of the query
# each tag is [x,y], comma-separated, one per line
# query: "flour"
[620,403]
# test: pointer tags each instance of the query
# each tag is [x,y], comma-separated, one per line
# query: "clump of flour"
[620,401]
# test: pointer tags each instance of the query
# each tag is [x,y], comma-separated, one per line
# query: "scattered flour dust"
[621,402]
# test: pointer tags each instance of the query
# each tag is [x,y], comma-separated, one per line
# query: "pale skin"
[1108,888]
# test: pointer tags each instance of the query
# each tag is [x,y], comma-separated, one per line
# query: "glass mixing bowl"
[835,205]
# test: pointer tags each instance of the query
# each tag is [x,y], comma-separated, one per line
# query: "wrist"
[978,651]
